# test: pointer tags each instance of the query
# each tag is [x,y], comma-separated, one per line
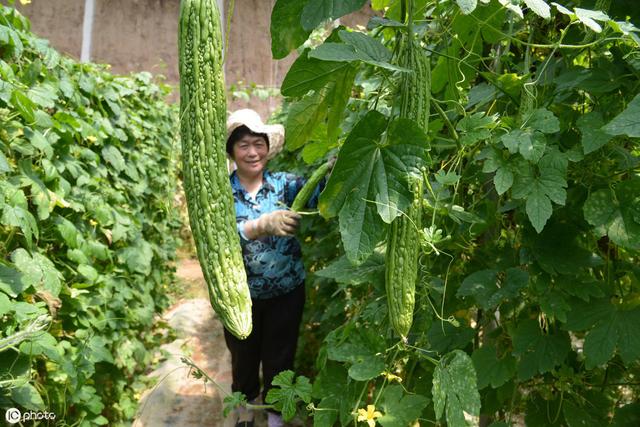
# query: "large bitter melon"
[403,238]
[206,181]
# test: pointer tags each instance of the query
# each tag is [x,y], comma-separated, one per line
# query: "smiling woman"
[271,256]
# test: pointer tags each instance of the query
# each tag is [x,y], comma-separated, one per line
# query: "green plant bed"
[87,236]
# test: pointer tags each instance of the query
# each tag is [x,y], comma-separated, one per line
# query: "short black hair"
[239,133]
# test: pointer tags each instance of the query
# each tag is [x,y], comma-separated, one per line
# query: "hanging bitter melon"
[206,181]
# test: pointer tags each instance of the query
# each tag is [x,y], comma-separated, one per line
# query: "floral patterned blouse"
[273,264]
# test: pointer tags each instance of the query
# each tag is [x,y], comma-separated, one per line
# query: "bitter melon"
[403,238]
[307,189]
[206,180]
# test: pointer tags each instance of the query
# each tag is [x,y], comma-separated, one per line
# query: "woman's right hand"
[276,223]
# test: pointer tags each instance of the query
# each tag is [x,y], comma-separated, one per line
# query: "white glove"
[276,223]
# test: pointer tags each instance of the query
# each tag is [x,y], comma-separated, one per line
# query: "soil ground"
[178,399]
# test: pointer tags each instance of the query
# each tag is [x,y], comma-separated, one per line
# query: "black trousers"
[273,341]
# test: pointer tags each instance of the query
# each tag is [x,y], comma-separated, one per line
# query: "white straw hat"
[252,120]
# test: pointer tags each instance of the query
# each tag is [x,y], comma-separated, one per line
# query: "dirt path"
[178,399]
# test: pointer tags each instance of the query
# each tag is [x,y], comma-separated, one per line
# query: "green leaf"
[137,257]
[90,273]
[400,409]
[593,137]
[17,216]
[538,352]
[42,343]
[627,122]
[309,113]
[27,396]
[4,164]
[310,74]
[444,337]
[286,394]
[43,95]
[491,370]
[11,281]
[475,127]
[615,213]
[342,271]
[489,289]
[538,207]
[543,120]
[317,11]
[515,138]
[503,180]
[616,329]
[454,388]
[370,177]
[467,6]
[539,7]
[5,304]
[340,52]
[366,368]
[24,105]
[113,156]
[627,416]
[286,31]
[68,232]
[233,401]
[37,271]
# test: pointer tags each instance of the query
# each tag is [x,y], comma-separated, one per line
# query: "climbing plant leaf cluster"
[87,181]
[528,288]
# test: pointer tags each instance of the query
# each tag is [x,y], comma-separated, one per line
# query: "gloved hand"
[276,223]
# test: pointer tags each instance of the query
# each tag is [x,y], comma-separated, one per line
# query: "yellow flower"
[369,415]
[392,377]
[25,1]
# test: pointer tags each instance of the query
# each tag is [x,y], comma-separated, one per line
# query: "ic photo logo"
[14,416]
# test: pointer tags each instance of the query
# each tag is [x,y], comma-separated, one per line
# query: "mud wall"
[141,35]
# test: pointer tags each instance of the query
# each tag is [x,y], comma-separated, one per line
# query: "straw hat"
[252,120]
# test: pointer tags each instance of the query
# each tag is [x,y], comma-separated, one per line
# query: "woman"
[271,255]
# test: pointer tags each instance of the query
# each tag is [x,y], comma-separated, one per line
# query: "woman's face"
[250,155]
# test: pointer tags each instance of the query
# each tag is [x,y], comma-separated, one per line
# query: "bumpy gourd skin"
[401,264]
[208,191]
[403,238]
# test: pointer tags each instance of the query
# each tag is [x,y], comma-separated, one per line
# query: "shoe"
[274,420]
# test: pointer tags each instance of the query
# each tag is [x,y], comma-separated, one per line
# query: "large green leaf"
[400,409]
[627,122]
[356,47]
[454,387]
[489,290]
[538,352]
[317,11]
[286,393]
[614,329]
[616,213]
[11,281]
[593,137]
[286,30]
[310,74]
[370,178]
[37,271]
[492,370]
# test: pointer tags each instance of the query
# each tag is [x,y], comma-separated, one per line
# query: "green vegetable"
[401,262]
[206,180]
[403,239]
[307,189]
[416,86]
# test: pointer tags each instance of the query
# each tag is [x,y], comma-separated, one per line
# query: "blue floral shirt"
[273,264]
